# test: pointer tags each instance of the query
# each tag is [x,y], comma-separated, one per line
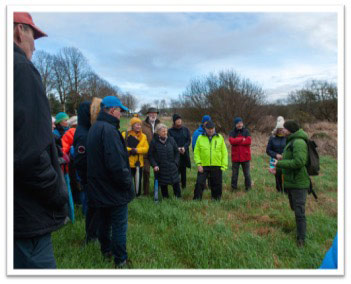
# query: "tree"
[129,101]
[317,98]
[144,108]
[43,61]
[224,96]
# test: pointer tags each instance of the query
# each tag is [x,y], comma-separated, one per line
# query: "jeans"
[297,200]
[235,174]
[92,223]
[215,177]
[113,232]
[36,252]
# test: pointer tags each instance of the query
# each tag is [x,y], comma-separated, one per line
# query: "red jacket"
[67,140]
[240,141]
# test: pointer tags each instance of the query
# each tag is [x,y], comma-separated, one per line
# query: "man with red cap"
[40,193]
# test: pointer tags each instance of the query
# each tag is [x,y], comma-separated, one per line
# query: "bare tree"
[317,98]
[223,96]
[60,82]
[144,108]
[43,61]
[129,101]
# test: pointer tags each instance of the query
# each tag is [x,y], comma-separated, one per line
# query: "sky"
[155,55]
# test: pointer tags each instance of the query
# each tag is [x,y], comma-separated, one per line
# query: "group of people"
[108,163]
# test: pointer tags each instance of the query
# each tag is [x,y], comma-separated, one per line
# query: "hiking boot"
[300,243]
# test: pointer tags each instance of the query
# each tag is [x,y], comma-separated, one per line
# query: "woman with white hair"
[164,158]
[275,149]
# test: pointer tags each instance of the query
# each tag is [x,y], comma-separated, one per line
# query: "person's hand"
[279,157]
[273,171]
[200,169]
[156,168]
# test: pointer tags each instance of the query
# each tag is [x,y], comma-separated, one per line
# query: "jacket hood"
[201,129]
[298,134]
[84,114]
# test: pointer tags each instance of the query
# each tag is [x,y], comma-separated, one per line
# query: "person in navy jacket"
[275,149]
[240,139]
[110,186]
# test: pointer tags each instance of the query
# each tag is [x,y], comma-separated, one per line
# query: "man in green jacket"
[211,158]
[296,178]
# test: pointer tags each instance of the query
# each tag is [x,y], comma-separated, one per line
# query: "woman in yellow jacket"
[137,147]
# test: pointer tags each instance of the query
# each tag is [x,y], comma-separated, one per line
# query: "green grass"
[254,230]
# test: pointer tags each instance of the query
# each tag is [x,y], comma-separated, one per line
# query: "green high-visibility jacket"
[211,152]
[294,161]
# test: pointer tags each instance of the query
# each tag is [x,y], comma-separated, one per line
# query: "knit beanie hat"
[291,125]
[72,121]
[175,117]
[280,122]
[135,120]
[61,116]
[205,118]
[237,120]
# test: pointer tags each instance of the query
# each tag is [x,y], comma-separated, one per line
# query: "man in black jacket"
[40,194]
[181,135]
[110,186]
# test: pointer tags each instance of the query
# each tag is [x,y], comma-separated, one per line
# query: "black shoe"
[300,243]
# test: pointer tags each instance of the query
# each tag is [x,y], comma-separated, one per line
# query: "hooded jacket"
[40,194]
[109,176]
[294,161]
[182,138]
[240,139]
[80,141]
[276,145]
[201,130]
[211,152]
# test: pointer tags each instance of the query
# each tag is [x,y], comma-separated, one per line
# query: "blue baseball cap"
[112,101]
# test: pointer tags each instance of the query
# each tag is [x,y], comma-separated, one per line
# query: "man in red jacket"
[240,139]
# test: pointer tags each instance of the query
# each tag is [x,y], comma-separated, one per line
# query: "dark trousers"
[146,176]
[36,252]
[235,173]
[279,181]
[176,190]
[113,232]
[133,170]
[215,177]
[182,172]
[297,200]
[92,222]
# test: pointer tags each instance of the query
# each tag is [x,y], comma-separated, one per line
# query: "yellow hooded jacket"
[142,148]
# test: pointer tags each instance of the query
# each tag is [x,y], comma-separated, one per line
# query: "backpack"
[312,165]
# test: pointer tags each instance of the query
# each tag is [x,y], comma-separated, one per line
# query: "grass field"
[254,230]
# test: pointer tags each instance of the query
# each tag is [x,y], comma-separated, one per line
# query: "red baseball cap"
[26,18]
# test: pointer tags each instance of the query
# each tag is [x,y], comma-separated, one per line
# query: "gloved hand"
[133,151]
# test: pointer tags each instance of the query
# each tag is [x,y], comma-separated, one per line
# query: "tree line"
[68,80]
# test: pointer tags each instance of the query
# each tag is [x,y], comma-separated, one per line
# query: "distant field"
[254,230]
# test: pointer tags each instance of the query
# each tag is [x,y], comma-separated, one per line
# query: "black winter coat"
[109,176]
[40,193]
[275,146]
[80,141]
[183,139]
[166,157]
